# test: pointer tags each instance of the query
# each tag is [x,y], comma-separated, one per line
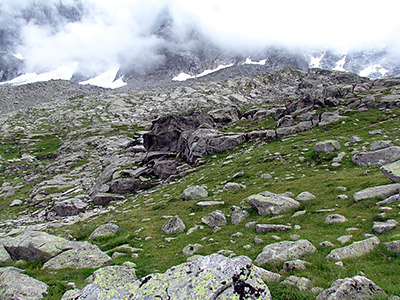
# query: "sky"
[112,32]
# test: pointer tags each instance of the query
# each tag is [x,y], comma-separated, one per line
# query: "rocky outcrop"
[354,250]
[392,171]
[283,251]
[378,157]
[16,285]
[234,278]
[355,288]
[270,203]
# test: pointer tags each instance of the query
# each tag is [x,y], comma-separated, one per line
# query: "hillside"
[289,157]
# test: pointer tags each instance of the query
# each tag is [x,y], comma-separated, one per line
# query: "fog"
[102,34]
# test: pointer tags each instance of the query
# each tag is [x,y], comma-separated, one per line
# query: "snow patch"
[184,76]
[107,79]
[315,62]
[340,64]
[250,62]
[373,69]
[19,56]
[64,72]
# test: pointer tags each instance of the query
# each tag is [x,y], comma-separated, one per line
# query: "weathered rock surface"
[267,276]
[283,251]
[106,198]
[269,203]
[383,191]
[104,230]
[16,285]
[302,283]
[112,277]
[354,250]
[208,277]
[191,249]
[216,218]
[83,255]
[327,146]
[238,215]
[296,265]
[381,227]
[394,247]
[355,288]
[70,207]
[378,157]
[305,197]
[264,228]
[335,218]
[392,171]
[173,226]
[4,255]
[195,192]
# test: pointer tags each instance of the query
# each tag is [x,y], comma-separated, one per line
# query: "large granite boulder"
[392,171]
[14,285]
[283,251]
[356,288]
[209,277]
[270,203]
[32,245]
[195,192]
[216,218]
[383,191]
[327,146]
[69,207]
[378,157]
[82,255]
[354,250]
[173,226]
[104,230]
[381,227]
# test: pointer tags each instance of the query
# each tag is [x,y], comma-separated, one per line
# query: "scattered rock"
[382,191]
[326,244]
[264,228]
[378,157]
[269,203]
[356,288]
[305,197]
[295,265]
[377,145]
[302,283]
[392,171]
[299,213]
[238,215]
[394,247]
[106,198]
[216,218]
[327,146]
[267,276]
[232,186]
[104,230]
[4,255]
[345,238]
[194,193]
[173,226]
[381,227]
[69,207]
[335,218]
[16,202]
[209,203]
[283,251]
[354,250]
[112,277]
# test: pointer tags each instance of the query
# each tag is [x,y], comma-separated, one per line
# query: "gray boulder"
[383,191]
[329,117]
[302,283]
[302,126]
[394,247]
[112,277]
[295,265]
[173,226]
[269,203]
[166,168]
[191,249]
[70,207]
[335,218]
[104,230]
[106,198]
[128,185]
[376,145]
[305,197]
[354,250]
[83,255]
[392,171]
[238,215]
[381,227]
[356,288]
[14,285]
[195,192]
[216,218]
[283,251]
[267,276]
[32,245]
[264,228]
[4,255]
[225,114]
[327,146]
[378,157]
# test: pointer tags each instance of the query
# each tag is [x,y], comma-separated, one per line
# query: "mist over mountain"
[154,42]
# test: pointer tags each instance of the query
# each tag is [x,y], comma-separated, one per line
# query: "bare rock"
[354,250]
[378,157]
[335,218]
[238,215]
[377,191]
[104,230]
[302,283]
[216,218]
[392,171]
[327,146]
[173,226]
[264,228]
[394,247]
[195,192]
[381,227]
[269,203]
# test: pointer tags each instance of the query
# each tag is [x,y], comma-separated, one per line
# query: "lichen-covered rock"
[377,191]
[216,218]
[195,192]
[302,283]
[354,250]
[392,171]
[378,157]
[104,230]
[70,207]
[112,277]
[16,285]
[84,255]
[4,255]
[381,227]
[238,215]
[283,251]
[267,276]
[327,146]
[356,288]
[32,245]
[173,226]
[269,203]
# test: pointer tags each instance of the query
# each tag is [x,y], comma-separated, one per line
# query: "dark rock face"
[127,185]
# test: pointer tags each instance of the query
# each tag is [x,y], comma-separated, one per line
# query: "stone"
[390,200]
[299,213]
[378,157]
[232,186]
[104,230]
[326,244]
[381,227]
[295,265]
[31,245]
[300,127]
[392,171]
[238,215]
[302,283]
[267,276]
[112,277]
[355,288]
[83,255]
[70,207]
[128,185]
[329,117]
[305,197]
[354,250]
[209,203]
[216,218]
[105,198]
[376,145]
[355,139]
[71,294]
[225,114]
[335,218]
[344,239]
[16,285]
[165,168]
[16,202]
[173,226]
[269,203]
[394,247]
[4,255]
[191,249]
[195,192]
[382,191]
[264,228]
[327,146]
[283,251]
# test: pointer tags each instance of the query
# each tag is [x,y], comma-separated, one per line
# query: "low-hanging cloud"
[107,33]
